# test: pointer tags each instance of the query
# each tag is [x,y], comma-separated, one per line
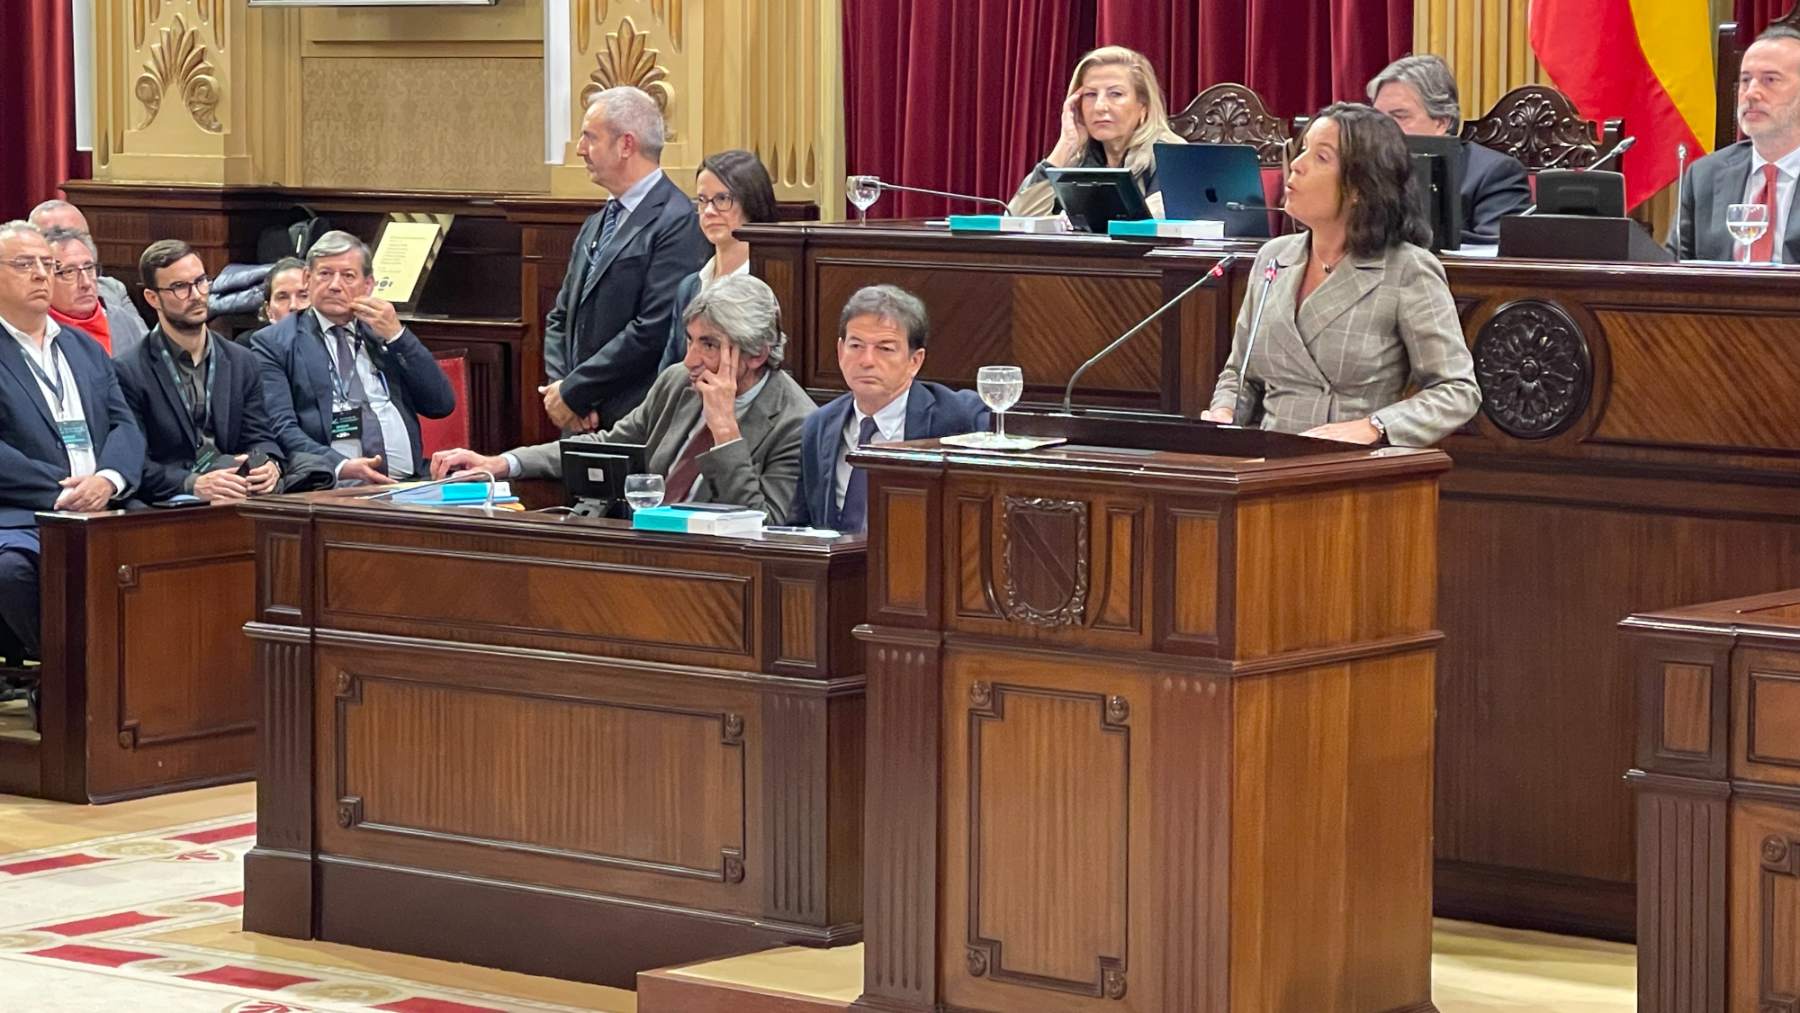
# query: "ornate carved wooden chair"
[1540,127]
[1233,114]
[1728,56]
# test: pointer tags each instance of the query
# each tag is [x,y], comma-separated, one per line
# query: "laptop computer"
[1214,182]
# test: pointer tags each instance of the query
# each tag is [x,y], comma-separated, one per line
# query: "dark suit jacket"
[240,425]
[675,349]
[32,459]
[1494,185]
[1712,184]
[932,410]
[606,333]
[296,384]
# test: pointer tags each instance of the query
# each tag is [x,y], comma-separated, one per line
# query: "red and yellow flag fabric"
[1647,61]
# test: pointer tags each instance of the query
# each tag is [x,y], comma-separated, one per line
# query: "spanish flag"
[1647,61]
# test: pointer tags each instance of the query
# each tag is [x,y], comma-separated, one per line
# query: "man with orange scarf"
[75,294]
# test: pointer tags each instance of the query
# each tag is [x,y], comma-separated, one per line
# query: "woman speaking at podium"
[1113,116]
[1353,310]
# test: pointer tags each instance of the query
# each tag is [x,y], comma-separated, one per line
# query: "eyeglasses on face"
[26,265]
[183,289]
[69,272]
[721,202]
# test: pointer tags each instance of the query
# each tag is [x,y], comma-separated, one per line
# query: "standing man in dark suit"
[605,335]
[880,347]
[344,379]
[1419,92]
[68,440]
[1759,170]
[197,397]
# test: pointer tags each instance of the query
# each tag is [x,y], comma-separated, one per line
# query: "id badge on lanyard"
[72,431]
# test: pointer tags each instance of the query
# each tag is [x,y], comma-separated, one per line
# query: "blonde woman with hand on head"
[1114,116]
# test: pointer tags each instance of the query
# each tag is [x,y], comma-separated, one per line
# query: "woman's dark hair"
[744,175]
[1374,169]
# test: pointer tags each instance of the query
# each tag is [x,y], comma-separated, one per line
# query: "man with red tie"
[722,426]
[1759,170]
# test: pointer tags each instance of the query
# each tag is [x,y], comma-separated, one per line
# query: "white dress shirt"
[709,271]
[399,454]
[890,427]
[1787,169]
[50,359]
[635,194]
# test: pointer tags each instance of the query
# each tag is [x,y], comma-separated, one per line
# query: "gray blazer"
[1712,184]
[760,471]
[1376,326]
[122,317]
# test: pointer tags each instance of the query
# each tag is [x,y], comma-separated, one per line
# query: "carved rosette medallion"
[627,59]
[1114,982]
[178,65]
[733,730]
[1775,853]
[1539,127]
[1532,363]
[978,962]
[1045,549]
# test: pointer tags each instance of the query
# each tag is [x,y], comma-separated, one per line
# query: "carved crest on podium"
[1045,554]
[1532,363]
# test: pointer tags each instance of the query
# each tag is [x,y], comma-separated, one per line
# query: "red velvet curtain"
[37,105]
[1753,16]
[965,96]
[958,97]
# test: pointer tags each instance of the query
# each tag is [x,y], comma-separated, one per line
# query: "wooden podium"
[1150,722]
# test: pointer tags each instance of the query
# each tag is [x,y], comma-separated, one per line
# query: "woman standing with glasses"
[731,190]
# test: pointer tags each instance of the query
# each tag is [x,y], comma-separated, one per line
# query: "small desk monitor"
[594,473]
[1436,186]
[1214,182]
[1093,196]
[1598,194]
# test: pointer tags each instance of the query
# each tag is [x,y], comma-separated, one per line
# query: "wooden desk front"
[551,745]
[1639,445]
[146,673]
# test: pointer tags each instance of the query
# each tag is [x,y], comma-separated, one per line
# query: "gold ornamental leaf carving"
[589,15]
[627,59]
[669,13]
[178,63]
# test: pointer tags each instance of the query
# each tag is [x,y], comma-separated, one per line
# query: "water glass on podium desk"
[863,191]
[1000,387]
[1746,223]
[643,491]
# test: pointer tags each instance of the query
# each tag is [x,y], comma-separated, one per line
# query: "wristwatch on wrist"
[1380,426]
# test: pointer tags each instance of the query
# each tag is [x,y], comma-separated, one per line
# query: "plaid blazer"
[1374,328]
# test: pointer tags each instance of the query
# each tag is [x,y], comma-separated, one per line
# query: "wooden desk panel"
[147,679]
[633,749]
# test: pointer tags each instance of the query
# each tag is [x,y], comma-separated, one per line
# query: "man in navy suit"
[881,345]
[68,440]
[197,397]
[344,380]
[1419,92]
[604,337]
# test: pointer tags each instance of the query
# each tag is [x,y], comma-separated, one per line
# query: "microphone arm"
[1239,416]
[1681,154]
[882,184]
[1618,149]
[1218,271]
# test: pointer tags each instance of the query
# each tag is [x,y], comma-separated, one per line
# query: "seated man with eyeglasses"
[75,299]
[197,396]
[68,439]
[123,318]
[346,380]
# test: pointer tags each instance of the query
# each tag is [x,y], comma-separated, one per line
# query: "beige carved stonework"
[627,59]
[178,65]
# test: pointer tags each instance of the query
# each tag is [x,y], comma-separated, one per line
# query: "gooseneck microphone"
[1618,149]
[881,184]
[1218,271]
[1681,153]
[1240,415]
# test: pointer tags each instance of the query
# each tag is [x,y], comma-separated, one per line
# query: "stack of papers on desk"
[455,494]
[1167,228]
[1044,224]
[699,519]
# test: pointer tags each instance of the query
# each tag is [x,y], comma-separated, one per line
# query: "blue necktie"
[609,224]
[372,443]
[853,516]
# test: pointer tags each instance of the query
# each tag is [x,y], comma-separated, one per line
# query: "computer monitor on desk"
[594,474]
[1091,197]
[1436,186]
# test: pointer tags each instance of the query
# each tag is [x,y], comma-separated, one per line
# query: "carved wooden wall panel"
[1765,906]
[1682,854]
[1766,716]
[173,684]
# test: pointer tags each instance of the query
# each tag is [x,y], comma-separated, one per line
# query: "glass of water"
[643,491]
[864,191]
[1000,387]
[1746,223]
